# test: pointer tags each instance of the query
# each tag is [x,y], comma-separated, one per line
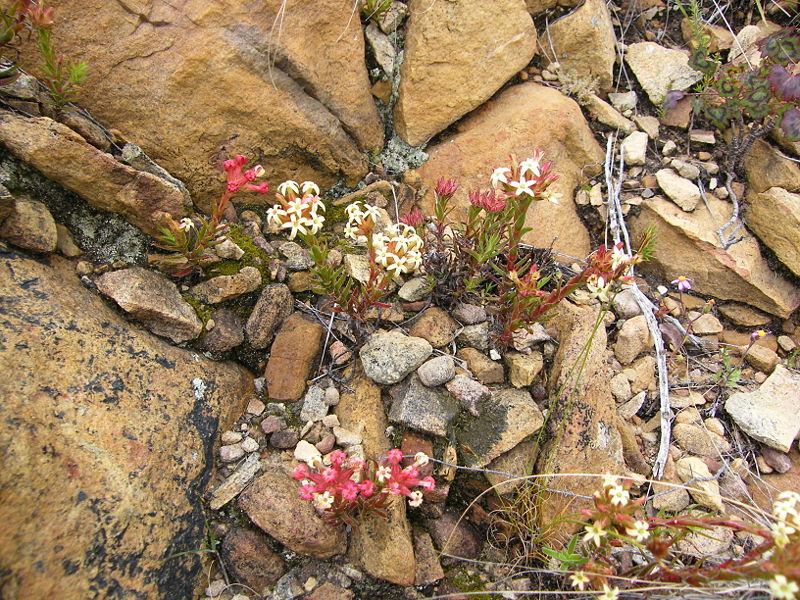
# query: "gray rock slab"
[425,409]
[389,356]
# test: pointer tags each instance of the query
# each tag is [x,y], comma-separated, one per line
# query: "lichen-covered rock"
[226,287]
[660,69]
[152,299]
[108,434]
[31,226]
[425,409]
[274,304]
[388,356]
[774,216]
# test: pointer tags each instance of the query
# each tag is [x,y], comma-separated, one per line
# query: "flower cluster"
[299,209]
[398,248]
[238,179]
[606,267]
[349,484]
[787,518]
[531,177]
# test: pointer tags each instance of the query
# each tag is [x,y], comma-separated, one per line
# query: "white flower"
[323,501]
[309,186]
[598,288]
[609,593]
[296,224]
[594,532]
[296,207]
[415,499]
[639,531]
[499,176]
[782,588]
[523,186]
[383,474]
[186,224]
[781,532]
[258,171]
[618,257]
[316,222]
[609,480]
[618,496]
[420,459]
[553,197]
[288,185]
[579,580]
[529,165]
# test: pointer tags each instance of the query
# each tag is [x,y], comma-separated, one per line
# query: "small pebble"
[231,453]
[330,421]
[249,445]
[231,437]
[216,588]
[272,424]
[332,396]
[255,407]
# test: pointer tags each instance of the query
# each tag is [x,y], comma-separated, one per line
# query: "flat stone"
[774,216]
[623,101]
[228,331]
[766,168]
[65,157]
[506,418]
[699,441]
[429,569]
[424,409]
[30,226]
[681,191]
[517,463]
[468,392]
[469,314]
[762,358]
[620,387]
[625,305]
[705,493]
[482,367]
[743,315]
[707,324]
[584,44]
[328,590]
[273,504]
[292,355]
[685,169]
[633,339]
[314,405]
[670,498]
[770,413]
[779,461]
[455,536]
[299,281]
[436,326]
[235,483]
[632,406]
[602,111]
[634,148]
[284,439]
[523,368]
[414,289]
[476,335]
[382,48]
[688,246]
[388,357]
[437,371]
[227,249]
[231,453]
[649,125]
[248,555]
[249,445]
[154,300]
[445,47]
[714,541]
[660,69]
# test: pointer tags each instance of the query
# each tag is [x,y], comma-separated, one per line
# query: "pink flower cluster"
[349,483]
[238,179]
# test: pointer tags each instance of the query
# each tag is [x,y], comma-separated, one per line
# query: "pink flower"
[367,488]
[300,472]
[488,201]
[337,458]
[413,219]
[394,456]
[238,179]
[445,188]
[683,283]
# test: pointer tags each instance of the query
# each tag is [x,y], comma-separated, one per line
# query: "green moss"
[465,581]
[253,256]
[203,311]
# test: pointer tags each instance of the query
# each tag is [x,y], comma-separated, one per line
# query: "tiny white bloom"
[499,176]
[309,186]
[781,532]
[258,170]
[609,593]
[316,223]
[288,185]
[639,531]
[598,288]
[609,480]
[618,257]
[186,224]
[323,501]
[523,186]
[782,588]
[415,499]
[619,497]
[420,459]
[579,580]
[384,474]
[529,165]
[295,206]
[595,533]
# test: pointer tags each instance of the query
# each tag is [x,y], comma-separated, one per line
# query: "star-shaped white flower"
[529,165]
[415,499]
[640,531]
[579,580]
[288,185]
[609,593]
[499,176]
[619,496]
[186,224]
[308,187]
[523,186]
[782,588]
[595,533]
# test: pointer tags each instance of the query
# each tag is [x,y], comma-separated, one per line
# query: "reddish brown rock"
[436,326]
[272,503]
[248,555]
[483,368]
[30,226]
[291,357]
[450,48]
[227,79]
[62,155]
[518,121]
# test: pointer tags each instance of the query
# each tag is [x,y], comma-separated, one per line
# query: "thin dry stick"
[618,230]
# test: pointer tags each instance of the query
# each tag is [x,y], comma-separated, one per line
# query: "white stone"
[681,191]
[305,451]
[634,148]
[249,445]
